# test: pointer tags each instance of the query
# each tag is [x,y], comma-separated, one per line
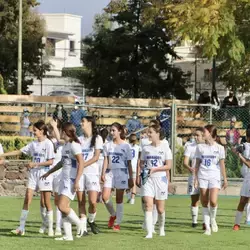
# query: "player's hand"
[31,165]
[103,178]
[191,170]
[2,162]
[225,184]
[130,182]
[76,186]
[196,183]
[43,177]
[138,181]
[53,123]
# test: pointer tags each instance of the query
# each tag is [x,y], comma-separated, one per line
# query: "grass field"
[179,234]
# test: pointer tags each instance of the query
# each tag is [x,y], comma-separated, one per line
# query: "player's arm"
[130,172]
[80,162]
[58,166]
[105,166]
[40,164]
[94,159]
[186,164]
[13,153]
[223,172]
[165,167]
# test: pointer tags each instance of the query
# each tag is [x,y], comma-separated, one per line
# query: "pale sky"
[85,8]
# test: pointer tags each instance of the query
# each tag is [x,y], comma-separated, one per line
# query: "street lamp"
[20,37]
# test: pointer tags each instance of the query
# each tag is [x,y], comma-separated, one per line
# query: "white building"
[63,49]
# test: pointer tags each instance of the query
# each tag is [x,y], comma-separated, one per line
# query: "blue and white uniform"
[135,153]
[40,152]
[245,171]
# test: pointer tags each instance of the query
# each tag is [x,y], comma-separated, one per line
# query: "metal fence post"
[46,112]
[173,138]
[211,115]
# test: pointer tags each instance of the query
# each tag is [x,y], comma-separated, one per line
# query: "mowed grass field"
[179,233]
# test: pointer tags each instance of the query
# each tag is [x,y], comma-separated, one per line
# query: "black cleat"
[194,225]
[93,227]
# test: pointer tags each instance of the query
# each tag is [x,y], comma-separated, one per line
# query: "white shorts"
[90,183]
[35,183]
[100,165]
[156,187]
[116,178]
[209,184]
[245,189]
[191,190]
[134,175]
[66,188]
[57,176]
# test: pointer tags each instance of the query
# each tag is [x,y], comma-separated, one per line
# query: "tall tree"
[33,31]
[132,60]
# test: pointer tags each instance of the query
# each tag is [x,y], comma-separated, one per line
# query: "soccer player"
[189,163]
[42,153]
[245,191]
[210,165]
[154,183]
[91,144]
[117,173]
[72,169]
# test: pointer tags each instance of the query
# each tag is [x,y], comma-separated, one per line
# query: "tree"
[132,60]
[33,31]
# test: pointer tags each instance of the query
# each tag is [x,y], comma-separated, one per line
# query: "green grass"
[179,234]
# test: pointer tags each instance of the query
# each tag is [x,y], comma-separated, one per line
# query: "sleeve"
[105,150]
[197,154]
[99,143]
[76,148]
[50,154]
[28,149]
[222,153]
[187,151]
[1,149]
[143,155]
[168,153]
[129,153]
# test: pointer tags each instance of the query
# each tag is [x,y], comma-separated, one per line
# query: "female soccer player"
[72,169]
[154,183]
[91,144]
[42,153]
[189,163]
[210,165]
[117,173]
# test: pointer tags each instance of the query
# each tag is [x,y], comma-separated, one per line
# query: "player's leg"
[81,199]
[43,212]
[148,203]
[204,197]
[49,215]
[214,192]
[119,208]
[195,209]
[239,212]
[133,193]
[160,205]
[247,207]
[58,231]
[92,197]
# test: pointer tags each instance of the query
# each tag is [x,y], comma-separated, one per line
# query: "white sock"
[206,217]
[248,211]
[43,212]
[149,222]
[67,227]
[23,218]
[84,221]
[213,212]
[161,218]
[58,218]
[132,201]
[238,217]
[110,208]
[92,217]
[50,219]
[119,213]
[73,218]
[129,195]
[194,213]
[155,214]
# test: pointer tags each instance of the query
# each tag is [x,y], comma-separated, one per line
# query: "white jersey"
[40,151]
[144,142]
[135,153]
[1,149]
[190,149]
[88,153]
[118,154]
[58,154]
[210,156]
[245,170]
[156,157]
[69,151]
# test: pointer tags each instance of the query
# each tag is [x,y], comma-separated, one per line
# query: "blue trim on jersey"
[73,163]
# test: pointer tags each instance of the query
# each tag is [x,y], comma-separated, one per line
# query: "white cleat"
[64,238]
[153,229]
[207,231]
[51,233]
[143,226]
[58,231]
[42,229]
[162,233]
[214,226]
[149,236]
[80,230]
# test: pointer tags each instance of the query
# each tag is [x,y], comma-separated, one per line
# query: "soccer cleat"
[194,225]
[236,227]
[42,229]
[128,201]
[93,227]
[162,232]
[64,238]
[132,202]
[17,232]
[214,226]
[50,233]
[111,221]
[149,236]
[58,231]
[203,226]
[116,228]
[143,226]
[207,231]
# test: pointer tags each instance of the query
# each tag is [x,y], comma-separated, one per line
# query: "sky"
[85,8]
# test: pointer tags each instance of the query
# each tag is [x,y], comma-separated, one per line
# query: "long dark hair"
[70,131]
[120,129]
[94,129]
[40,125]
[104,134]
[213,132]
[159,130]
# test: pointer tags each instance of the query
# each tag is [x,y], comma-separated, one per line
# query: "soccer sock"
[67,227]
[155,215]
[194,213]
[92,217]
[23,218]
[58,218]
[50,219]
[248,212]
[73,218]
[149,222]
[213,212]
[119,213]
[129,195]
[206,217]
[161,218]
[238,217]
[43,212]
[110,208]
[84,223]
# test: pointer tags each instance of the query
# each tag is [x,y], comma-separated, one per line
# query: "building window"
[72,46]
[51,46]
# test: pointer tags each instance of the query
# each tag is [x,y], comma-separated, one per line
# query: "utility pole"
[20,38]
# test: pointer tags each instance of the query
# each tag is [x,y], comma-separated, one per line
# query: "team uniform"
[40,152]
[116,175]
[156,185]
[135,154]
[101,160]
[209,174]
[90,180]
[69,169]
[190,149]
[245,190]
